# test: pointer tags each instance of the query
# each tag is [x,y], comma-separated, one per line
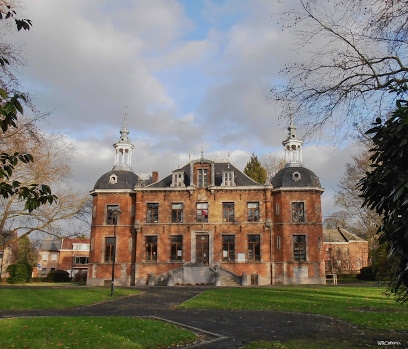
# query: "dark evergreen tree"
[255,170]
[385,189]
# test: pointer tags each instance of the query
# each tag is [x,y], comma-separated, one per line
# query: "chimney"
[155,176]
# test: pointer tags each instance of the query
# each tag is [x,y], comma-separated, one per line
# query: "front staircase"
[229,282]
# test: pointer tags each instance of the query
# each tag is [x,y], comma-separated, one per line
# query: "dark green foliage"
[58,276]
[367,273]
[385,188]
[20,273]
[254,170]
[80,276]
[385,265]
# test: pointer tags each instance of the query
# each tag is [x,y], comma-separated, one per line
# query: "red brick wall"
[163,229]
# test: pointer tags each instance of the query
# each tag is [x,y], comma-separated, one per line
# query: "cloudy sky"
[193,75]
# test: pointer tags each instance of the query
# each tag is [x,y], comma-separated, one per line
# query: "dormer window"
[178,179]
[228,178]
[202,177]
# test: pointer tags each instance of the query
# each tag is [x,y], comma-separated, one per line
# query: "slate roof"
[241,179]
[295,177]
[339,235]
[50,245]
[125,180]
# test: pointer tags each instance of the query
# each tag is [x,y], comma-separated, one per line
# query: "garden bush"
[20,273]
[58,276]
[367,273]
[80,276]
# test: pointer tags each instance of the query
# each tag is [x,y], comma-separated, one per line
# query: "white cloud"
[184,91]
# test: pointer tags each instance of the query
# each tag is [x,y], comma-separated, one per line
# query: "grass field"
[91,332]
[81,332]
[19,298]
[363,306]
[366,306]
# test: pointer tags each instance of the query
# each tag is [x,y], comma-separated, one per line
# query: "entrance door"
[202,249]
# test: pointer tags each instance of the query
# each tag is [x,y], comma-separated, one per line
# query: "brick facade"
[207,214]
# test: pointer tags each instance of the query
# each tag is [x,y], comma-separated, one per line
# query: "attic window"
[113,179]
[178,179]
[228,178]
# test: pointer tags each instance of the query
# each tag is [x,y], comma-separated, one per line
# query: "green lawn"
[366,306]
[363,306]
[81,332]
[57,298]
[91,332]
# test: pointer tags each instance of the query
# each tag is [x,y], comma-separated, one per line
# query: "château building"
[206,223]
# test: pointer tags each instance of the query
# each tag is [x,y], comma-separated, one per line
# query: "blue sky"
[193,74]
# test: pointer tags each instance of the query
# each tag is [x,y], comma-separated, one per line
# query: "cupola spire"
[123,148]
[293,147]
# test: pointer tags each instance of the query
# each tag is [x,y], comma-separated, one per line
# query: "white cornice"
[111,191]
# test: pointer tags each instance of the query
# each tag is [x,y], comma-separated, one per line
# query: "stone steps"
[229,282]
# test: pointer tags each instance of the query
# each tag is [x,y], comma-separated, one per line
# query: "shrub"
[367,273]
[80,276]
[58,276]
[20,273]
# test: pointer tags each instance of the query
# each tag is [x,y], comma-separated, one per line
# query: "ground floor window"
[228,248]
[151,248]
[299,248]
[109,249]
[176,251]
[254,247]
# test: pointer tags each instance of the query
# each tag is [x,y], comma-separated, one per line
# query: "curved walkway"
[225,329]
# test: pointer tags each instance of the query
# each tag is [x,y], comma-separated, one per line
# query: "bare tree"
[364,221]
[52,154]
[340,219]
[272,163]
[351,53]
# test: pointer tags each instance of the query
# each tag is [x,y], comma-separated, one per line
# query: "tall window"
[202,212]
[228,248]
[228,212]
[109,249]
[299,248]
[110,218]
[202,177]
[152,213]
[151,248]
[176,251]
[176,213]
[253,211]
[254,247]
[298,212]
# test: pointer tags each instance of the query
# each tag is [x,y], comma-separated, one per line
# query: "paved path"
[224,329]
